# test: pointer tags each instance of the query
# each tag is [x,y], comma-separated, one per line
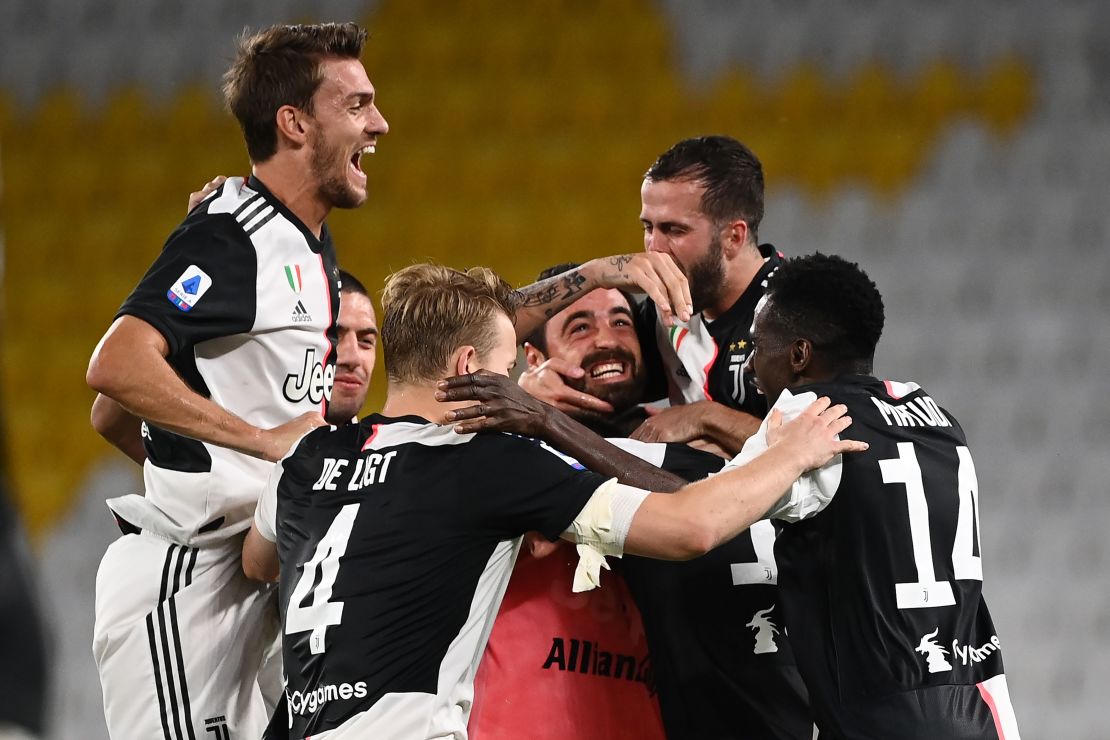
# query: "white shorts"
[179,640]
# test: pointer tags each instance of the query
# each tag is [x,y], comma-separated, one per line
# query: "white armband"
[601,528]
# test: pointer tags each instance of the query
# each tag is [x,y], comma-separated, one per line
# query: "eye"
[577,328]
[622,322]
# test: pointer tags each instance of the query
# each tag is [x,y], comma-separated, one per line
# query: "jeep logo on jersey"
[314,381]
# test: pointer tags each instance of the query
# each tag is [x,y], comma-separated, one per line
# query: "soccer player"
[701,205]
[880,572]
[580,654]
[395,537]
[710,669]
[226,350]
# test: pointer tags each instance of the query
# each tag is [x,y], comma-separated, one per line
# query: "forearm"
[540,301]
[138,378]
[710,512]
[589,448]
[120,428]
[165,400]
[729,428]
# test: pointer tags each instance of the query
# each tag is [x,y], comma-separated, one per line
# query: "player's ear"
[465,360]
[733,238]
[533,356]
[292,124]
[801,355]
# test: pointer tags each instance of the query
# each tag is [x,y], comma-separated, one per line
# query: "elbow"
[697,537]
[699,540]
[100,377]
[257,571]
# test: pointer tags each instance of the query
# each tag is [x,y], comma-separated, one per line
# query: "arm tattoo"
[559,288]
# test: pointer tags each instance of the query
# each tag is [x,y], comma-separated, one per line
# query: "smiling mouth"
[608,370]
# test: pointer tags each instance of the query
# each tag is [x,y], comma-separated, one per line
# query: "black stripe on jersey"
[157,676]
[262,222]
[247,204]
[252,213]
[165,639]
[187,710]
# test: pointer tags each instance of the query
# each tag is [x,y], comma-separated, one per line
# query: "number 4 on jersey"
[927,591]
[321,611]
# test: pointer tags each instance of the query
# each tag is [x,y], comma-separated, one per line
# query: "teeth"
[609,368]
[368,149]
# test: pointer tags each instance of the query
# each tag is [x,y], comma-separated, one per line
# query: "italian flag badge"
[293,275]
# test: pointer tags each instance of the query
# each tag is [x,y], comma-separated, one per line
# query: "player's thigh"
[180,634]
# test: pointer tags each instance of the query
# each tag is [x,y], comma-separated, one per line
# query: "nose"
[346,349]
[377,123]
[749,368]
[605,338]
[653,242]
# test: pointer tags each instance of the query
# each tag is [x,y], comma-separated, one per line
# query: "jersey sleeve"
[533,487]
[812,492]
[201,286]
[265,514]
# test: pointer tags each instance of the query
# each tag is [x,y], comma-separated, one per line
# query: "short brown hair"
[281,66]
[431,310]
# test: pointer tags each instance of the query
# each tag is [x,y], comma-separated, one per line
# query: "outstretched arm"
[505,407]
[710,512]
[653,273]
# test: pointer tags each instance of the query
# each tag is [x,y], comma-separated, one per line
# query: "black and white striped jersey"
[880,571]
[723,668]
[246,297]
[397,538]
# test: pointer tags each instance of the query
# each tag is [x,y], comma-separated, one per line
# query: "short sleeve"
[812,492]
[201,286]
[532,487]
[265,514]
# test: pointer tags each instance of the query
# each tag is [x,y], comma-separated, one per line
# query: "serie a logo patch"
[189,288]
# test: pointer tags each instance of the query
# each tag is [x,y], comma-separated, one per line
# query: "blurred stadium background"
[959,150]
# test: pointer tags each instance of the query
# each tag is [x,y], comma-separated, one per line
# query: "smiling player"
[226,349]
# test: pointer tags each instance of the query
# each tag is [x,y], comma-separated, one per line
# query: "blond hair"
[429,311]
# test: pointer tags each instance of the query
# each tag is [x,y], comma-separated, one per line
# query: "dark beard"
[333,188]
[621,396]
[707,277]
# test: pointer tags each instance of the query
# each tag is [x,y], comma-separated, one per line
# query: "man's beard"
[707,277]
[621,396]
[331,180]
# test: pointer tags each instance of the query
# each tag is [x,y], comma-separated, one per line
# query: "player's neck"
[285,178]
[411,399]
[739,273]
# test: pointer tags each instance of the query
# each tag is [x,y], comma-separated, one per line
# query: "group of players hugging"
[800,537]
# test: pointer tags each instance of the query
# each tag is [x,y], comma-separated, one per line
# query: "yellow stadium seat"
[871,98]
[940,93]
[1006,94]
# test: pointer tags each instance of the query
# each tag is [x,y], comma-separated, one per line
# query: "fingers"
[195,198]
[580,400]
[665,284]
[467,412]
[818,407]
[851,445]
[563,366]
[675,284]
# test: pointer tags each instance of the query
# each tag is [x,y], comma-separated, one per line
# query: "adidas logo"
[301,314]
